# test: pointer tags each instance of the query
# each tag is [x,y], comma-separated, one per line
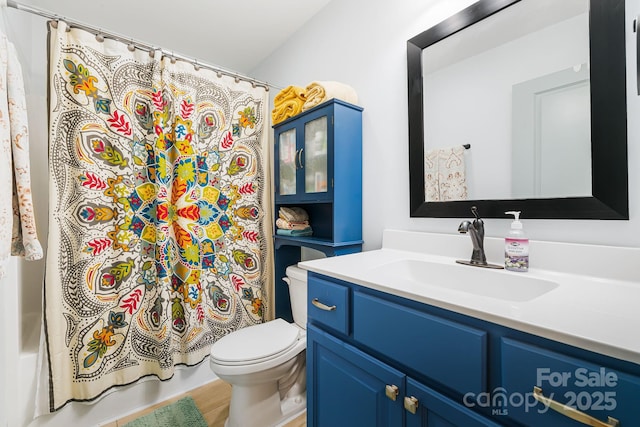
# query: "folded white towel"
[318,92]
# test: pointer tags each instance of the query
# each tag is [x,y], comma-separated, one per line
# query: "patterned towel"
[293,214]
[444,174]
[319,92]
[17,222]
[287,103]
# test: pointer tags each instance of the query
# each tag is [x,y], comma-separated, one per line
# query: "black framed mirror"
[608,121]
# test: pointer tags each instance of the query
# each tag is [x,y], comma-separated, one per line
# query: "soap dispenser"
[516,246]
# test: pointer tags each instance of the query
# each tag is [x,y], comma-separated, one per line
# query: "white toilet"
[265,364]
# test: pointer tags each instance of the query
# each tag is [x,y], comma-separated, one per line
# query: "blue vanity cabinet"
[451,369]
[318,167]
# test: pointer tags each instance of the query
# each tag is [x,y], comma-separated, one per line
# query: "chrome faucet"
[476,232]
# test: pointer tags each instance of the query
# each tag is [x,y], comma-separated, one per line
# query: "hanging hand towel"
[444,174]
[17,222]
[287,103]
[319,92]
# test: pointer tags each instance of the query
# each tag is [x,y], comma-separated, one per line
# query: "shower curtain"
[160,227]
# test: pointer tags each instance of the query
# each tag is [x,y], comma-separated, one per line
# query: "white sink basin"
[472,280]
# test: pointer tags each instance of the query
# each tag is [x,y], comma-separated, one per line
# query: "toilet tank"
[297,281]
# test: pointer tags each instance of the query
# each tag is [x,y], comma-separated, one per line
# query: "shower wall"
[21,304]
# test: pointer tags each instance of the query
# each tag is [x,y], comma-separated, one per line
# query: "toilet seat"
[256,344]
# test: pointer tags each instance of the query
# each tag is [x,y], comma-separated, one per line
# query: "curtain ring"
[68,27]
[266,88]
[237,79]
[173,58]
[99,38]
[195,65]
[152,53]
[219,74]
[54,24]
[131,46]
[253,84]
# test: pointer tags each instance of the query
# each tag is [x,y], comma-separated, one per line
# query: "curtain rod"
[98,32]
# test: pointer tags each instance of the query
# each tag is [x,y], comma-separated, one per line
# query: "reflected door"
[551,129]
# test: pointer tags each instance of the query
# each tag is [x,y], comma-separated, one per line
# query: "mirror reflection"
[514,89]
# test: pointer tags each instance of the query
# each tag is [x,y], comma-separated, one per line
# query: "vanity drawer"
[590,388]
[328,304]
[449,353]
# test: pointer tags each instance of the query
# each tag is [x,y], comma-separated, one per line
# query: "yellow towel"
[287,103]
[318,92]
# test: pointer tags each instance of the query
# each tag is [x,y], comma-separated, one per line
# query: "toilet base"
[261,406]
[291,417]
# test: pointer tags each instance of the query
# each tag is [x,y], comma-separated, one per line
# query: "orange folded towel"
[287,103]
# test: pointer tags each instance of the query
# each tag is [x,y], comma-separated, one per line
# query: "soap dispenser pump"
[516,246]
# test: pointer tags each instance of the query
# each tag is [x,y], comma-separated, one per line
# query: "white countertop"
[598,311]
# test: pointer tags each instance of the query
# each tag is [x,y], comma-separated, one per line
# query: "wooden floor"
[213,401]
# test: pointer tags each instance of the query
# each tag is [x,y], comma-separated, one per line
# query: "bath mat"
[183,413]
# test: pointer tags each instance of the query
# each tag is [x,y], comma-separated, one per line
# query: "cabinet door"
[435,410]
[304,154]
[346,387]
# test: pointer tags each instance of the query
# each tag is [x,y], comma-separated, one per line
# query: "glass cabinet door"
[315,156]
[287,166]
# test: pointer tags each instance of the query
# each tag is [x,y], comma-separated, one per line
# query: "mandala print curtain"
[160,236]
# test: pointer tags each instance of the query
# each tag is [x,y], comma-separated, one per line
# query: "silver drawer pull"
[572,413]
[322,306]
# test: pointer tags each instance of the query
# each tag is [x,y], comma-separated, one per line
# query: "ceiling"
[235,35]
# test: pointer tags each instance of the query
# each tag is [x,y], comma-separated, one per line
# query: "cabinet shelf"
[329,247]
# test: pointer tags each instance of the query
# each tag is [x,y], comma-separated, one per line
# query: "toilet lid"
[256,343]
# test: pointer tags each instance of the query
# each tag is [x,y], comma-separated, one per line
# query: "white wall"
[365,47]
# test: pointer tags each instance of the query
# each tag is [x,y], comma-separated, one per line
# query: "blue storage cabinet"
[318,167]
